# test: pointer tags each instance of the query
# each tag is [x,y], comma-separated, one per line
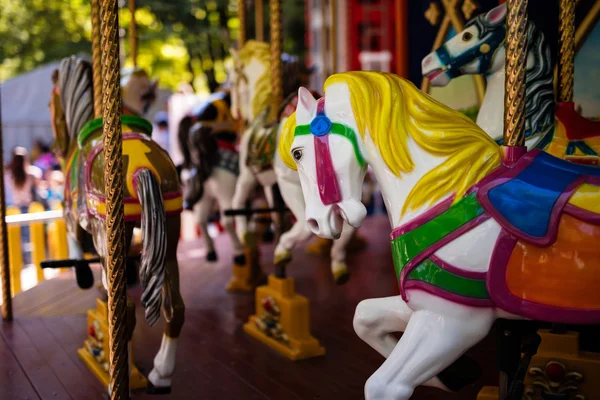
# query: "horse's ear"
[306,104]
[154,85]
[496,14]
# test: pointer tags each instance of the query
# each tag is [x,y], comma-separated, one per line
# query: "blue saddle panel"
[527,201]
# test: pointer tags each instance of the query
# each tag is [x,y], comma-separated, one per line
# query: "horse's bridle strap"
[338,129]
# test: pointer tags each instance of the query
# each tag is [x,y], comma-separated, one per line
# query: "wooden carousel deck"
[216,359]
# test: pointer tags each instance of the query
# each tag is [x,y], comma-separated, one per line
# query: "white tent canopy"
[25,113]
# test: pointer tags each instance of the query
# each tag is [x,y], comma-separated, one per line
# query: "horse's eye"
[297,154]
[467,36]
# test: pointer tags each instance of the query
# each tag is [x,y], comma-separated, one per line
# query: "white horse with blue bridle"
[480,232]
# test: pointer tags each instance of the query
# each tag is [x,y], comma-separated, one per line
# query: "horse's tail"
[154,243]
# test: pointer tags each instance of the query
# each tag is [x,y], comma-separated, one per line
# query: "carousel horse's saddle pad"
[139,152]
[529,199]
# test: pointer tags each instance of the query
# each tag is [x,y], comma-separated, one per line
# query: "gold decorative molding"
[433,13]
[469,7]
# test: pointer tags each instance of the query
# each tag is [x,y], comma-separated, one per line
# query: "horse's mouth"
[434,73]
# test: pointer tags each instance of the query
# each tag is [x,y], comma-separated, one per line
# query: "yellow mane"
[470,153]
[262,91]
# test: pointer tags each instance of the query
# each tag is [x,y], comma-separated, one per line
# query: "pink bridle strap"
[327,182]
[326,179]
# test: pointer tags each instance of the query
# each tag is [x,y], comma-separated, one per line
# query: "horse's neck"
[395,190]
[491,113]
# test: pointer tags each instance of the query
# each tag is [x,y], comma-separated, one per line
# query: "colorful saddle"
[85,171]
[546,262]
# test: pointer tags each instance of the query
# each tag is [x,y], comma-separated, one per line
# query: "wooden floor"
[216,360]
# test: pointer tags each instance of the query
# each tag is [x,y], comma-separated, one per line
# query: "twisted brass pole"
[242,18]
[7,313]
[133,33]
[514,85]
[276,67]
[96,64]
[113,181]
[566,62]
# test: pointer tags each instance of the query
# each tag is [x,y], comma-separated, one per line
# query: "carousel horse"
[152,200]
[138,92]
[207,138]
[251,96]
[479,49]
[474,239]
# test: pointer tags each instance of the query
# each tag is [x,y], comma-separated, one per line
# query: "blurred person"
[22,182]
[161,132]
[43,158]
[56,189]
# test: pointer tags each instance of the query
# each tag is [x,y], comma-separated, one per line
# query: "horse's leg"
[339,269]
[164,362]
[245,183]
[292,195]
[432,341]
[223,187]
[203,210]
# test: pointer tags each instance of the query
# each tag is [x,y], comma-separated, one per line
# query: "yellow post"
[57,240]
[14,253]
[38,241]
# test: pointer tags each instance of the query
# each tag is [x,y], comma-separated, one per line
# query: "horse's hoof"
[268,236]
[151,389]
[342,278]
[460,373]
[240,260]
[211,257]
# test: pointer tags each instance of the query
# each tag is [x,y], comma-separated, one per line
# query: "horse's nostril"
[313,225]
[427,60]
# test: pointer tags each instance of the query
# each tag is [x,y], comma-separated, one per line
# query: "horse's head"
[478,49]
[250,80]
[321,141]
[139,92]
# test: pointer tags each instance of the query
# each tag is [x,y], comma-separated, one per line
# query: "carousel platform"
[216,359]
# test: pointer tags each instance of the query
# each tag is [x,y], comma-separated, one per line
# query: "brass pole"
[96,64]
[333,35]
[113,180]
[242,18]
[514,86]
[566,62]
[324,42]
[7,312]
[133,33]
[276,67]
[259,16]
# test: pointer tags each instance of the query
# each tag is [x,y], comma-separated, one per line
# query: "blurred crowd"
[33,177]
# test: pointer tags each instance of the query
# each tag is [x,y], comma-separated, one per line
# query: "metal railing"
[47,235]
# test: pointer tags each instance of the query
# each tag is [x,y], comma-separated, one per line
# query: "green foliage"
[34,32]
[178,40]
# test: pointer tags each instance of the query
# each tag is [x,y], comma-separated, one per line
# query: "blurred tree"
[178,40]
[34,32]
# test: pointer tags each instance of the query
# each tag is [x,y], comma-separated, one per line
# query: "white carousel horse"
[251,94]
[480,49]
[151,194]
[137,90]
[207,137]
[473,239]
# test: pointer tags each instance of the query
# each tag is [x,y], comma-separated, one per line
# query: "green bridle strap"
[338,129]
